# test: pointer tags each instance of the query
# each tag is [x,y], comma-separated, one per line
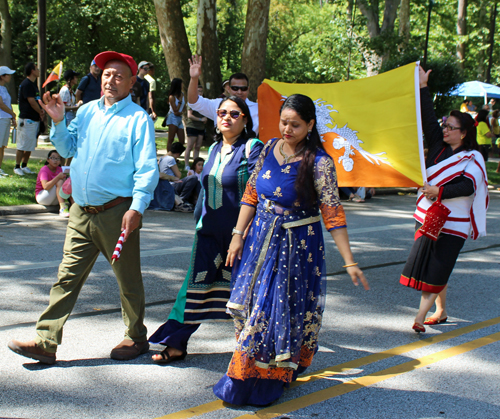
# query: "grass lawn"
[493,177]
[18,190]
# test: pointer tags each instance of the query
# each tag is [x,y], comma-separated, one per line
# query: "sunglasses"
[221,113]
[236,88]
[449,127]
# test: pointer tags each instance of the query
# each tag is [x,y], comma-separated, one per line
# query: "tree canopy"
[308,41]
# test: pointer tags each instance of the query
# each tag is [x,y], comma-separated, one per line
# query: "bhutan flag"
[371,127]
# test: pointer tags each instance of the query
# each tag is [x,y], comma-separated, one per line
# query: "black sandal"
[166,358]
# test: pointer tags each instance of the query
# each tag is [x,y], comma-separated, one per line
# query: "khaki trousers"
[86,236]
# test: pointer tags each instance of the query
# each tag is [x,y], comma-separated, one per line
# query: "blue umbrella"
[477,89]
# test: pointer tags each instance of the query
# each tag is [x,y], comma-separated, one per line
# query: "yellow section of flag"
[371,127]
[55,74]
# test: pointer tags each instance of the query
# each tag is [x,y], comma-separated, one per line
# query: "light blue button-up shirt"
[114,153]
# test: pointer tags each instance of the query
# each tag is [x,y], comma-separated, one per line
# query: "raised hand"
[423,76]
[53,105]
[195,66]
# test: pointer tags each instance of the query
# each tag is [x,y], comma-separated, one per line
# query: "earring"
[308,135]
[217,130]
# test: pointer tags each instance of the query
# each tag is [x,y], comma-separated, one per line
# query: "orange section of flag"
[55,74]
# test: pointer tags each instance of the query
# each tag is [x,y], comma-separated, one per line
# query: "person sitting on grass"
[48,183]
[186,189]
[198,164]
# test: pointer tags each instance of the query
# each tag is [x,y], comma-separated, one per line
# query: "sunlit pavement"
[370,363]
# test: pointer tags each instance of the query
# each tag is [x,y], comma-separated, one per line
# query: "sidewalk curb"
[28,209]
[36,208]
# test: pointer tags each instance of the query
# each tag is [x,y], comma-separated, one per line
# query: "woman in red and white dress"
[454,165]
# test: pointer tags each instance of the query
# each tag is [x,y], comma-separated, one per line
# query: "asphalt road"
[370,363]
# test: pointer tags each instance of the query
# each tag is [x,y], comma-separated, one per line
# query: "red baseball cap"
[102,58]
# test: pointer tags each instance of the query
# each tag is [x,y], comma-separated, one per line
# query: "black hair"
[175,87]
[482,115]
[467,127]
[28,68]
[304,184]
[50,154]
[238,76]
[196,161]
[248,131]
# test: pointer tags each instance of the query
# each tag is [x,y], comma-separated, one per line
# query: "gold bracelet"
[348,266]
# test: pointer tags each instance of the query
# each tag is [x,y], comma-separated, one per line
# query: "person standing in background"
[67,95]
[90,85]
[152,91]
[141,74]
[7,115]
[30,115]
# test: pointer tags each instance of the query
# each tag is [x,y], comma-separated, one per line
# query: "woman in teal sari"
[205,291]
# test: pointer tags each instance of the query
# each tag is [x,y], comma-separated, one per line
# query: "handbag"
[436,216]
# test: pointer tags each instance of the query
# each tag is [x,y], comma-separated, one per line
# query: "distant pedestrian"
[152,91]
[141,74]
[7,115]
[114,173]
[195,131]
[90,85]
[174,118]
[30,115]
[68,96]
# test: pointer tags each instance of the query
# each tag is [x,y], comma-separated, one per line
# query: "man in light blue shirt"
[113,174]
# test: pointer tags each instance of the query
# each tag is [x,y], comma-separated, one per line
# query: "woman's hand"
[423,77]
[430,192]
[235,249]
[195,66]
[355,273]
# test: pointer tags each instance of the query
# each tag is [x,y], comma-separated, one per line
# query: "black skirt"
[430,262]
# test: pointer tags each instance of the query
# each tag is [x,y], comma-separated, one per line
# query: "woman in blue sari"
[205,290]
[278,285]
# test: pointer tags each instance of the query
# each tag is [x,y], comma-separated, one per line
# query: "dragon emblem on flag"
[346,137]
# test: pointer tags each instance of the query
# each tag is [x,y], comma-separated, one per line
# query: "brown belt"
[94,209]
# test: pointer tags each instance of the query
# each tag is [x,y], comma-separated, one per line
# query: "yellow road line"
[340,389]
[195,411]
[370,359]
[356,363]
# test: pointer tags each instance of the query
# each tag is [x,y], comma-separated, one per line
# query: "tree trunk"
[483,40]
[491,41]
[375,59]
[208,47]
[173,39]
[404,22]
[461,31]
[6,44]
[253,56]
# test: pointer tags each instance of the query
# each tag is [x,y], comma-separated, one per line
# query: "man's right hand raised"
[195,66]
[53,105]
